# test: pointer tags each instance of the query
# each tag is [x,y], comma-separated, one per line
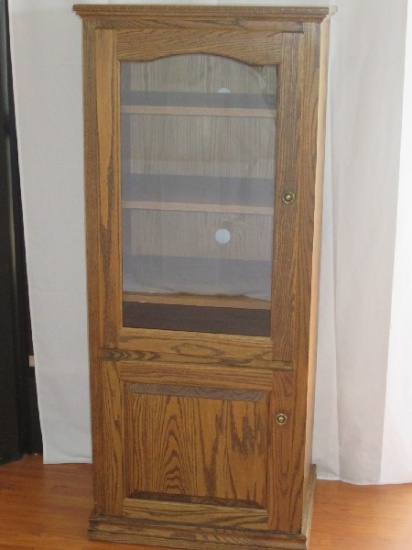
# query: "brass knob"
[281,419]
[288,197]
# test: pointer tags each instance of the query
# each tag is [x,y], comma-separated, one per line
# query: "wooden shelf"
[197,111]
[237,302]
[198,207]
[185,98]
[198,194]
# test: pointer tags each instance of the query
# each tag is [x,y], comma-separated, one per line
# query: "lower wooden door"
[195,445]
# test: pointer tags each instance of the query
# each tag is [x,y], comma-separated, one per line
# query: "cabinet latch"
[281,419]
[288,197]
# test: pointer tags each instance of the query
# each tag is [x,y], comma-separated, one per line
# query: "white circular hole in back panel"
[222,236]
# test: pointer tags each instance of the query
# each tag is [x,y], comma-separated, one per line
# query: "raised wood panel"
[183,447]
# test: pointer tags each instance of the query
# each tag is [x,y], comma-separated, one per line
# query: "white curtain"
[364,386]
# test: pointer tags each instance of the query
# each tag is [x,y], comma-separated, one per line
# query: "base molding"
[126,531]
[129,531]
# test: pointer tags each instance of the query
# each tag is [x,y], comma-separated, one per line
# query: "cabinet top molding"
[278,13]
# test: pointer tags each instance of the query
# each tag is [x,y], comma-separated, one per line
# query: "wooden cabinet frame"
[148,383]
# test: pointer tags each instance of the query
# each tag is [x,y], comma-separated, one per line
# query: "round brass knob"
[288,197]
[281,419]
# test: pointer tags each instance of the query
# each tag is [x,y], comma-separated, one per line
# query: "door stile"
[108,137]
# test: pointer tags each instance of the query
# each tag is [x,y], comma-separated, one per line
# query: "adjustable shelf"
[241,302]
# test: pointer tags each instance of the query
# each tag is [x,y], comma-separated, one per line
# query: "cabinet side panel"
[92,242]
[307,236]
[105,390]
[323,76]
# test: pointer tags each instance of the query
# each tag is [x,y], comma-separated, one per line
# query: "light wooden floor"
[47,507]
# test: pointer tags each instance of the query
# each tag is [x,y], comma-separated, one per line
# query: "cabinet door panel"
[197,184]
[189,444]
[199,454]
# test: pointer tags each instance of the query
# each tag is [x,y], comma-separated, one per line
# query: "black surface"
[214,320]
[17,406]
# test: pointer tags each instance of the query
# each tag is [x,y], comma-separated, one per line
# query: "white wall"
[365,110]
[397,443]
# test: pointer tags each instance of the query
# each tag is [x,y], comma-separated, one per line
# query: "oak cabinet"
[204,160]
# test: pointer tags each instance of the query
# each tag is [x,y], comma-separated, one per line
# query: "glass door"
[198,180]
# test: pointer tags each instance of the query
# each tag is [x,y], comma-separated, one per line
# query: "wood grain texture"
[204,348]
[200,300]
[93,251]
[281,465]
[310,157]
[196,111]
[255,48]
[205,357]
[313,326]
[203,512]
[282,18]
[214,146]
[190,537]
[184,422]
[111,434]
[107,137]
[189,374]
[188,444]
[196,392]
[285,243]
[194,207]
[247,24]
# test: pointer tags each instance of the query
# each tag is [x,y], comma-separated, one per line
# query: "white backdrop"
[363,430]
